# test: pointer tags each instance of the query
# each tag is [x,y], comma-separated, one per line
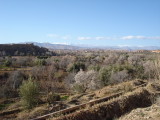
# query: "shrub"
[65,61]
[69,80]
[64,97]
[119,76]
[104,75]
[52,97]
[157,67]
[23,61]
[59,74]
[42,57]
[29,92]
[122,59]
[79,88]
[77,67]
[111,59]
[7,63]
[94,67]
[128,87]
[41,62]
[149,69]
[87,80]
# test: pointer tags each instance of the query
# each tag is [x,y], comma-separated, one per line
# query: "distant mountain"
[80,47]
[57,46]
[131,48]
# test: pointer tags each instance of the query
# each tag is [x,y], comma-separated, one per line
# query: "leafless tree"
[111,59]
[149,69]
[89,80]
[15,79]
[119,76]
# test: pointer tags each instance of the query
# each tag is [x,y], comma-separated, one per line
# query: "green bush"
[7,63]
[104,75]
[41,62]
[29,92]
[94,67]
[65,97]
[76,67]
[42,57]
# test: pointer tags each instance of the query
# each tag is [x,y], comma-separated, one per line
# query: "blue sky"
[89,22]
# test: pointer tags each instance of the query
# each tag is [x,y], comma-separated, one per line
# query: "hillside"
[22,50]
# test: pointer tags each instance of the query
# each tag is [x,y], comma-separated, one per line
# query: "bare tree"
[111,59]
[122,59]
[119,76]
[15,79]
[149,69]
[89,80]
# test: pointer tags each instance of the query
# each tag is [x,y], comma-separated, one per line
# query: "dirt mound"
[113,108]
[149,113]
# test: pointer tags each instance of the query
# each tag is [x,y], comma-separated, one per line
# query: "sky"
[81,22]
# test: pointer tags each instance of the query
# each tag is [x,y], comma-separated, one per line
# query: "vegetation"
[71,77]
[52,97]
[29,93]
[22,50]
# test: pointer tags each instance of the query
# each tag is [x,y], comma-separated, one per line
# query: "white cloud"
[123,45]
[84,38]
[61,43]
[102,38]
[65,37]
[94,38]
[140,37]
[130,37]
[127,37]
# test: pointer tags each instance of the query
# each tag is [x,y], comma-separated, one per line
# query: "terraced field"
[107,103]
[107,107]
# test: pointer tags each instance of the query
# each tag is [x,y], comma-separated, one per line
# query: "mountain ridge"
[83,46]
[79,47]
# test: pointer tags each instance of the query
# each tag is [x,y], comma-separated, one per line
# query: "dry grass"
[13,106]
[153,86]
[113,108]
[122,87]
[25,115]
[106,91]
[110,109]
